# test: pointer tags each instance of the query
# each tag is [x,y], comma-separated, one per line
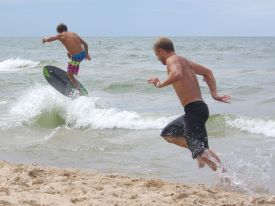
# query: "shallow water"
[117,127]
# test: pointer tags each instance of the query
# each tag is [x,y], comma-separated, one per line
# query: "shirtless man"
[73,43]
[188,130]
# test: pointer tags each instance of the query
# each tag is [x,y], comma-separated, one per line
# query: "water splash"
[248,176]
[43,105]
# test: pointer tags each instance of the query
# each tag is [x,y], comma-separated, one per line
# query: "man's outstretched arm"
[50,39]
[211,82]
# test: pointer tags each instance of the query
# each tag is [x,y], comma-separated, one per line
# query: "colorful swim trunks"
[73,64]
[191,126]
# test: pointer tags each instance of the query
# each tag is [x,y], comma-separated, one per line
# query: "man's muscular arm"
[210,80]
[174,75]
[50,39]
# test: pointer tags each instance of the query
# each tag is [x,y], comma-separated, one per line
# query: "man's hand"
[155,81]
[44,40]
[69,55]
[224,98]
[50,39]
[88,57]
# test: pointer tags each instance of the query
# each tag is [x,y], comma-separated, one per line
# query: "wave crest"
[252,125]
[42,104]
[12,65]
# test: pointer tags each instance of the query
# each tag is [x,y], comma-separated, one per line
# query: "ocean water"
[116,128]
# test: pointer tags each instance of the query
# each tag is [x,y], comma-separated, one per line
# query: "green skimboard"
[59,80]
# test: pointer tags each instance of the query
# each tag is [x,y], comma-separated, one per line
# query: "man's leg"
[176,128]
[211,159]
[181,141]
[201,163]
[73,80]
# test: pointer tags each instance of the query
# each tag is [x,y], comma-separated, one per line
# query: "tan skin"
[74,45]
[182,76]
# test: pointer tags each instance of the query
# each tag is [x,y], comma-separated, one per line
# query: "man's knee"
[180,141]
[172,131]
[164,133]
[168,139]
[167,134]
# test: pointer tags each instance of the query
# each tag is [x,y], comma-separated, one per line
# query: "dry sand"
[22,184]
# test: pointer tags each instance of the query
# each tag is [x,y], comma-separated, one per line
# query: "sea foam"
[13,65]
[84,112]
[252,125]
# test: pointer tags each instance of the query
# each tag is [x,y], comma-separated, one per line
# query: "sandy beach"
[36,185]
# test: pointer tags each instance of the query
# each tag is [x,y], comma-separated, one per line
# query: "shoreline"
[25,184]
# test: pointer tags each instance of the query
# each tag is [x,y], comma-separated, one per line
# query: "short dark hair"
[61,28]
[164,43]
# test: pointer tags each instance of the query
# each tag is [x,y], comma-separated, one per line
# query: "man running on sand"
[73,43]
[188,130]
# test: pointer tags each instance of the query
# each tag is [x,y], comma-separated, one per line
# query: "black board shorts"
[191,126]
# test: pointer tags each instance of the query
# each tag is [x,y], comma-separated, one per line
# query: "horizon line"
[152,36]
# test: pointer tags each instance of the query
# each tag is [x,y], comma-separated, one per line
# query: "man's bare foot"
[224,176]
[201,164]
[225,180]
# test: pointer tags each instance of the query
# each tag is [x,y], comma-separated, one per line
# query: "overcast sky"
[139,17]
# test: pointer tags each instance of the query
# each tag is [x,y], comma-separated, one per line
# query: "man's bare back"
[71,41]
[187,87]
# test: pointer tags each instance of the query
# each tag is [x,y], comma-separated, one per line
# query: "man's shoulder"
[176,59]
[69,33]
[173,62]
[182,58]
[179,62]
